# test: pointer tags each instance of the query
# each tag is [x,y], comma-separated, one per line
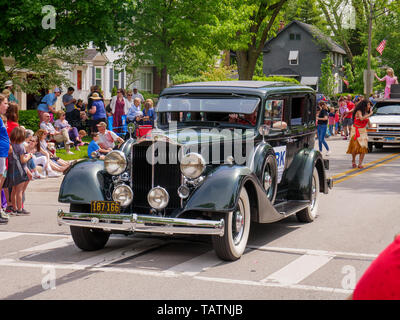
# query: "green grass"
[82,154]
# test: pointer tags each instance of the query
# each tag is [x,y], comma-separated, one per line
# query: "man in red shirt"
[381,281]
[348,117]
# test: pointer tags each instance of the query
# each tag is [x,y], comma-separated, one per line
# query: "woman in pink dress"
[390,79]
[119,107]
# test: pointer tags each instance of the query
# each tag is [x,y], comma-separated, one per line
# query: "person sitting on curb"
[58,136]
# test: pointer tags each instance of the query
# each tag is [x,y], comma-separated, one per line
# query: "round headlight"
[158,198]
[115,162]
[123,194]
[192,165]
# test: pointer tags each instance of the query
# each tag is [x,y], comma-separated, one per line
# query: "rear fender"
[298,177]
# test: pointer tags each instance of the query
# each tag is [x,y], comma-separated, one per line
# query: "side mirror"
[264,130]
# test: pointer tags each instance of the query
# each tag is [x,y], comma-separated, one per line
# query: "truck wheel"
[309,214]
[270,178]
[370,147]
[87,239]
[231,246]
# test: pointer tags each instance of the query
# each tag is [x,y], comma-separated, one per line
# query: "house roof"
[324,41]
[287,72]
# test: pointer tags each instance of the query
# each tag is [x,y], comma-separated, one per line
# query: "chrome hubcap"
[313,193]
[238,223]
[267,181]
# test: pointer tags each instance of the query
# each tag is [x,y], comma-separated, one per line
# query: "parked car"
[224,154]
[385,124]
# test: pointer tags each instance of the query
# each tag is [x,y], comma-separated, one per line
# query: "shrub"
[29,119]
[276,78]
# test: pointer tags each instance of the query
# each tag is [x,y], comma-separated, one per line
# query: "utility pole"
[368,84]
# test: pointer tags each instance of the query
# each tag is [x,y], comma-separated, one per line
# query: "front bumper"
[380,137]
[141,223]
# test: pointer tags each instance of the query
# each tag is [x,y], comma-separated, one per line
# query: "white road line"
[298,269]
[4,233]
[314,252]
[196,265]
[119,254]
[50,245]
[8,235]
[275,285]
[163,274]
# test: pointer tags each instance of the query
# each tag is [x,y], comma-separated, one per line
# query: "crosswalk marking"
[298,269]
[121,253]
[197,265]
[8,235]
[50,245]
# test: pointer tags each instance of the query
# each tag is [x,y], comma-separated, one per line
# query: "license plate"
[389,139]
[108,207]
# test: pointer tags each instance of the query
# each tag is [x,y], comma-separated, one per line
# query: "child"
[332,121]
[81,135]
[337,120]
[390,79]
[17,174]
[94,147]
[342,109]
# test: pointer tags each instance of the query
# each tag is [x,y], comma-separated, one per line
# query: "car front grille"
[167,176]
[390,128]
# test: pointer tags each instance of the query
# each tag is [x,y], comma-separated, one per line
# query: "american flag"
[381,46]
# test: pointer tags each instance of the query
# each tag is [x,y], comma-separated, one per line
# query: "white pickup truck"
[385,124]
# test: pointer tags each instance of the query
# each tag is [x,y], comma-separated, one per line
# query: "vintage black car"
[223,155]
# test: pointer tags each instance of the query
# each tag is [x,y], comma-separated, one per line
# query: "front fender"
[83,183]
[299,174]
[220,193]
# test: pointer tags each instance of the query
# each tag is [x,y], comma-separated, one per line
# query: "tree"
[245,26]
[307,11]
[360,64]
[327,80]
[166,33]
[28,27]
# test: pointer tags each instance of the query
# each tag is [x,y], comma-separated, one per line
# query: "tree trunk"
[247,60]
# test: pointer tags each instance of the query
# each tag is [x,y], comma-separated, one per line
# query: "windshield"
[208,111]
[389,109]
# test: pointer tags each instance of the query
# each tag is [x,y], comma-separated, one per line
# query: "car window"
[274,111]
[297,111]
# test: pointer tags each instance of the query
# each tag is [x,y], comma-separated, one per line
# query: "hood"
[385,119]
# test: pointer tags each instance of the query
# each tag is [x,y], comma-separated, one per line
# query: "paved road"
[284,260]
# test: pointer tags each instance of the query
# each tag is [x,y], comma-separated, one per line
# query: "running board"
[291,207]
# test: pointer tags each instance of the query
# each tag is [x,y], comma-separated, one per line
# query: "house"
[100,69]
[297,51]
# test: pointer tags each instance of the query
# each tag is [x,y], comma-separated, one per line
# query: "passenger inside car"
[274,113]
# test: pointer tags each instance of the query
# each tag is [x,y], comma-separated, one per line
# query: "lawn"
[82,154]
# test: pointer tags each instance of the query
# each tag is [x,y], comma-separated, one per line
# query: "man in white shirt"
[58,136]
[136,94]
[107,138]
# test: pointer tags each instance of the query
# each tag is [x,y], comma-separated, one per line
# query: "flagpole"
[368,84]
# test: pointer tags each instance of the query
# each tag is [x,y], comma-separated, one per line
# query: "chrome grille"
[166,175]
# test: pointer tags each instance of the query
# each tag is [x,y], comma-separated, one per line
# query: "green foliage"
[276,78]
[224,73]
[360,64]
[306,11]
[327,80]
[114,91]
[78,22]
[29,119]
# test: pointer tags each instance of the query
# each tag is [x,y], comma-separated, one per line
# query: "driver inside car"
[243,118]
